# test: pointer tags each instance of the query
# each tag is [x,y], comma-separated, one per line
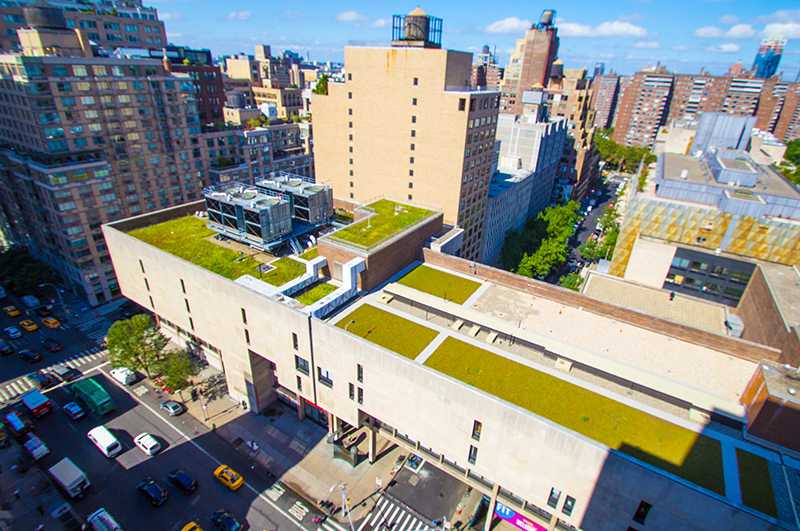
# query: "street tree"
[322,85]
[571,281]
[136,343]
[176,369]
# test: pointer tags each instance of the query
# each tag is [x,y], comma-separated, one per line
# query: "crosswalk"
[12,390]
[96,329]
[392,516]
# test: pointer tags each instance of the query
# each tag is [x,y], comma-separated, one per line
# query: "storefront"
[312,411]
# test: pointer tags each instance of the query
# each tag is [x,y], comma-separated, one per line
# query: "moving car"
[29,355]
[228,477]
[51,344]
[73,410]
[183,481]
[226,521]
[42,379]
[29,325]
[172,407]
[51,322]
[147,443]
[13,332]
[64,373]
[11,311]
[5,348]
[43,312]
[152,492]
[191,526]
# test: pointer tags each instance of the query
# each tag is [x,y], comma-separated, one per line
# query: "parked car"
[42,379]
[73,410]
[51,344]
[5,348]
[43,312]
[172,408]
[183,481]
[147,444]
[29,355]
[225,521]
[228,477]
[64,373]
[192,526]
[51,322]
[152,492]
[13,332]
[123,375]
[11,311]
[29,325]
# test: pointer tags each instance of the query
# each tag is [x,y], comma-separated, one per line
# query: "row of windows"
[714,271]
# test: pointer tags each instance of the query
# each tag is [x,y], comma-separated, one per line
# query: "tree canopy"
[24,272]
[623,158]
[322,85]
[602,247]
[792,155]
[136,343]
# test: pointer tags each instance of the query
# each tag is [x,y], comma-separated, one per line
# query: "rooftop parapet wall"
[734,347]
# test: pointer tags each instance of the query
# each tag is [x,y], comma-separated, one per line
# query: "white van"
[101,520]
[123,375]
[107,443]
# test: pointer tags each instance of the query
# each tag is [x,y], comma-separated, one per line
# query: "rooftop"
[385,219]
[505,178]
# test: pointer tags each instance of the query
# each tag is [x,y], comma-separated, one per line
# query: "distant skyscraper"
[486,73]
[768,56]
[599,69]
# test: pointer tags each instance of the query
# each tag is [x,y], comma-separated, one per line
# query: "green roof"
[316,293]
[388,330]
[390,218]
[440,284]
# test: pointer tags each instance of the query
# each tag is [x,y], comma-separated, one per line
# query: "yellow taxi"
[11,311]
[228,477]
[51,322]
[191,526]
[28,325]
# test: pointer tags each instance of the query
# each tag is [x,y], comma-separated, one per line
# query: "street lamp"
[345,499]
[60,300]
[345,329]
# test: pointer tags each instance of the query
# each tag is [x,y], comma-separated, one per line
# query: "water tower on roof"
[416,30]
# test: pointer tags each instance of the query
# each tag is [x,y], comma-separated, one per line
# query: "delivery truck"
[70,478]
[94,396]
[35,447]
[36,402]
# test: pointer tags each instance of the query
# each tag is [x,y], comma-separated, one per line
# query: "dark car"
[65,373]
[51,344]
[185,483]
[5,349]
[29,355]
[152,492]
[225,521]
[43,312]
[42,379]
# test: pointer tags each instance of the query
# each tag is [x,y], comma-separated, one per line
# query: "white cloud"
[724,48]
[633,17]
[683,48]
[740,31]
[708,32]
[509,25]
[728,19]
[784,15]
[616,28]
[652,45]
[169,16]
[380,23]
[789,30]
[172,34]
[291,14]
[239,15]
[350,16]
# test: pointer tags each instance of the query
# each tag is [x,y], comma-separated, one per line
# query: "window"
[413,119]
[186,301]
[680,262]
[360,373]
[416,81]
[246,336]
[698,267]
[350,97]
[410,197]
[569,505]
[411,160]
[410,173]
[294,340]
[413,133]
[324,377]
[352,392]
[476,430]
[411,185]
[462,104]
[738,276]
[552,500]
[413,101]
[350,125]
[349,77]
[350,112]
[360,396]
[299,384]
[473,455]
[183,289]
[412,147]
[244,313]
[733,293]
[641,512]
[301,364]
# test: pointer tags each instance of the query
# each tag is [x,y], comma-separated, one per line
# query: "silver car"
[172,407]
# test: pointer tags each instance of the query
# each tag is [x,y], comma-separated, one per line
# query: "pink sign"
[517,520]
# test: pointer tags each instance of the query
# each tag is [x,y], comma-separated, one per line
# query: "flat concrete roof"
[505,178]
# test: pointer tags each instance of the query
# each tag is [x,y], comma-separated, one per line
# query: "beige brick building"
[406,124]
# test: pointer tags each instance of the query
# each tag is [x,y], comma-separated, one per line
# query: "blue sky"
[626,34]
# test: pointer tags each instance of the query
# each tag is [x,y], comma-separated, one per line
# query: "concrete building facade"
[604,99]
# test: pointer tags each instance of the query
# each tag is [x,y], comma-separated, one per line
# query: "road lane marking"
[299,511]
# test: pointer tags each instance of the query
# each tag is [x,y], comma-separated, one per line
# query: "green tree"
[591,251]
[571,281]
[176,369]
[322,85]
[793,152]
[136,343]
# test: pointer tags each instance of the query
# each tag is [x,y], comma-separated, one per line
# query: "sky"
[626,35]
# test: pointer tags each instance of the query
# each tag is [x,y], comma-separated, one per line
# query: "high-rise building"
[605,89]
[768,56]
[108,23]
[406,124]
[87,140]
[486,73]
[599,70]
[530,64]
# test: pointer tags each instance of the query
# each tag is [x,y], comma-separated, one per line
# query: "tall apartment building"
[405,123]
[109,23]
[87,140]
[530,64]
[605,90]
[486,73]
[768,57]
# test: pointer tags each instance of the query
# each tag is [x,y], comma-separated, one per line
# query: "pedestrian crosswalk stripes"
[96,328]
[12,390]
[388,515]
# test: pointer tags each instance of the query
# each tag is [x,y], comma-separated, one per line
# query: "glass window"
[476,430]
[680,262]
[552,500]
[301,365]
[324,377]
[698,267]
[738,276]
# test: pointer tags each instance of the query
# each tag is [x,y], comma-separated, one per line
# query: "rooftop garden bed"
[388,330]
[390,218]
[755,483]
[185,238]
[310,254]
[440,284]
[316,293]
[689,455]
[285,270]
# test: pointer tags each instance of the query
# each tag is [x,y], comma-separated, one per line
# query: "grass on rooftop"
[383,225]
[316,293]
[691,456]
[440,284]
[184,238]
[388,330]
[755,483]
[310,254]
[285,270]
